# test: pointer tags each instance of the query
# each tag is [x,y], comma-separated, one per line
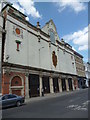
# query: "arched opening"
[16,85]
[16,81]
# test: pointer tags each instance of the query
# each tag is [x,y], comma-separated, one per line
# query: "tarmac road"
[74,105]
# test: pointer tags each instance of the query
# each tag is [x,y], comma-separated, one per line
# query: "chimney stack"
[38,25]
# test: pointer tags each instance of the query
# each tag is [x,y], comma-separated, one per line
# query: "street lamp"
[39,54]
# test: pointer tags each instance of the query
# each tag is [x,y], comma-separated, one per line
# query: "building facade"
[80,68]
[87,72]
[1,32]
[34,59]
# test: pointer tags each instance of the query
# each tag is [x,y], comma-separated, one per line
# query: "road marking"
[74,99]
[82,107]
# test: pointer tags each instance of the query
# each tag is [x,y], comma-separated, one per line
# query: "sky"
[70,18]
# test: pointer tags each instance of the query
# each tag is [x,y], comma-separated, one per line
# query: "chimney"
[62,40]
[38,26]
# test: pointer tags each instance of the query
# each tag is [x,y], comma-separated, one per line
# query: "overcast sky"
[70,18]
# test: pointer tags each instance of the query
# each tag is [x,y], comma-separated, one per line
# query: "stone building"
[80,68]
[34,58]
[87,73]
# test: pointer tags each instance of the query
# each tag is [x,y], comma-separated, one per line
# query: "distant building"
[34,59]
[80,68]
[87,72]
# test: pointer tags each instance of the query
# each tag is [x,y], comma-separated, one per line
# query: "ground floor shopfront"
[81,82]
[36,82]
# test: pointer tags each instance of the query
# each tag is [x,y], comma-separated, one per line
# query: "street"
[74,105]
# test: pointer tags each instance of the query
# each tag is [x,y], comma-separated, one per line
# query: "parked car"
[11,100]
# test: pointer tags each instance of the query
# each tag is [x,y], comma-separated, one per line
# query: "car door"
[5,101]
[12,99]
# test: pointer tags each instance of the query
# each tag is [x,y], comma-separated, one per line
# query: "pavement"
[51,95]
[72,104]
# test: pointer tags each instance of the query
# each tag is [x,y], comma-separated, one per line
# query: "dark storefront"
[70,84]
[46,86]
[81,82]
[33,85]
[55,85]
[63,84]
[89,83]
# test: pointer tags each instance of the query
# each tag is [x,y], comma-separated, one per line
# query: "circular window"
[18,31]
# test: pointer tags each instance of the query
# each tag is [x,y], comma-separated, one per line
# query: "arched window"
[16,81]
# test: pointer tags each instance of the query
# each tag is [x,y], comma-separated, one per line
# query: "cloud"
[79,38]
[27,7]
[84,47]
[76,6]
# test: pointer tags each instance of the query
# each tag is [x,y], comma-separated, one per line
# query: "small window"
[73,65]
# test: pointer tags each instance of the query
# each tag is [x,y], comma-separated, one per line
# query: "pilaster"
[41,85]
[51,84]
[73,84]
[26,86]
[67,86]
[60,84]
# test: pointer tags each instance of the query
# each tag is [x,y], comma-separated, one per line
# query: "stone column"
[26,87]
[67,86]
[41,85]
[73,84]
[60,84]
[51,85]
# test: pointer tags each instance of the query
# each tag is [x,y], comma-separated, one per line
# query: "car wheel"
[18,103]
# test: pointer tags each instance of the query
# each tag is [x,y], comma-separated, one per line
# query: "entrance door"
[55,85]
[46,86]
[63,84]
[70,84]
[33,85]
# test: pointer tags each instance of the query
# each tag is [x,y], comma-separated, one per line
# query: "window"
[5,97]
[52,36]
[73,65]
[11,96]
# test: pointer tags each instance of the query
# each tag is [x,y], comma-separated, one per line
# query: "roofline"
[78,54]
[28,23]
[13,8]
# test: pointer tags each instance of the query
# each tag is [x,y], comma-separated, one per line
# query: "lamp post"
[39,54]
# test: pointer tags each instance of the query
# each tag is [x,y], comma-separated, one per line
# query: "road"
[73,105]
